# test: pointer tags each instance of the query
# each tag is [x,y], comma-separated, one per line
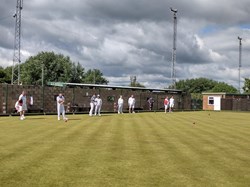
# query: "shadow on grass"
[102,115]
[74,119]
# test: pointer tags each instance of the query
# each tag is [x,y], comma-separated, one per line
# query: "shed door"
[217,103]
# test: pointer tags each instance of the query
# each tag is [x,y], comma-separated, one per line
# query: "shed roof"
[62,84]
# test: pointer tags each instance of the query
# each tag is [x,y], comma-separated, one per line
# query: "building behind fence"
[226,101]
[77,97]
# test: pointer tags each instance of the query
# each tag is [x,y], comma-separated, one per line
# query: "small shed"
[226,101]
[212,101]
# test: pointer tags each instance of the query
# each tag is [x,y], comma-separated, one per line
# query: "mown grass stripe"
[164,141]
[32,160]
[142,149]
[185,154]
[186,144]
[49,151]
[86,158]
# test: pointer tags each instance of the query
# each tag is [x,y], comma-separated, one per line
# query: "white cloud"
[124,38]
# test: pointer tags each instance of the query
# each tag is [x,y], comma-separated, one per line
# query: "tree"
[55,67]
[51,67]
[246,86]
[195,85]
[95,76]
[137,84]
[200,85]
[134,83]
[2,75]
[78,75]
[223,87]
[5,75]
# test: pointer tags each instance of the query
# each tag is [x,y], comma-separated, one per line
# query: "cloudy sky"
[124,38]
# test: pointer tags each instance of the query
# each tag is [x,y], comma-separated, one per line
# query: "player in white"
[131,104]
[18,107]
[120,105]
[171,104]
[92,105]
[166,104]
[98,105]
[22,105]
[60,107]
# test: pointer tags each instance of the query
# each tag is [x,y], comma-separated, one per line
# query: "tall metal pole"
[173,73]
[42,74]
[240,49]
[17,44]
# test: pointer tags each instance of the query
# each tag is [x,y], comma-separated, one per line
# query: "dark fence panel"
[235,104]
[226,104]
[77,98]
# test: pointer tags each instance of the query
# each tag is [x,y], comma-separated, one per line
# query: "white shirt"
[98,101]
[23,97]
[60,100]
[120,101]
[171,101]
[131,101]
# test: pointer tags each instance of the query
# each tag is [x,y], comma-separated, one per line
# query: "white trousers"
[98,109]
[60,110]
[120,107]
[92,106]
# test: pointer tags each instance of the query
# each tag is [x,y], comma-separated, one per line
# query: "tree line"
[196,86]
[50,67]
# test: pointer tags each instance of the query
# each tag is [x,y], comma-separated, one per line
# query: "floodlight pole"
[17,45]
[173,75]
[42,74]
[240,49]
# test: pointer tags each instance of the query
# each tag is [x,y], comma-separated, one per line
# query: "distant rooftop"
[62,84]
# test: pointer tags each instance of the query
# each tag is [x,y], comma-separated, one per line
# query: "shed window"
[210,100]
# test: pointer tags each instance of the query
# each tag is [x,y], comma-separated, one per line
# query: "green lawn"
[142,149]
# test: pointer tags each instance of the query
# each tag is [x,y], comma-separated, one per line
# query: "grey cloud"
[128,37]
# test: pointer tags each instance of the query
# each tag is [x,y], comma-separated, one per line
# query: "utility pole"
[240,49]
[173,75]
[17,44]
[42,74]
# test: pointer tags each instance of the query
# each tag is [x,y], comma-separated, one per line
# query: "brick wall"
[44,98]
[206,106]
